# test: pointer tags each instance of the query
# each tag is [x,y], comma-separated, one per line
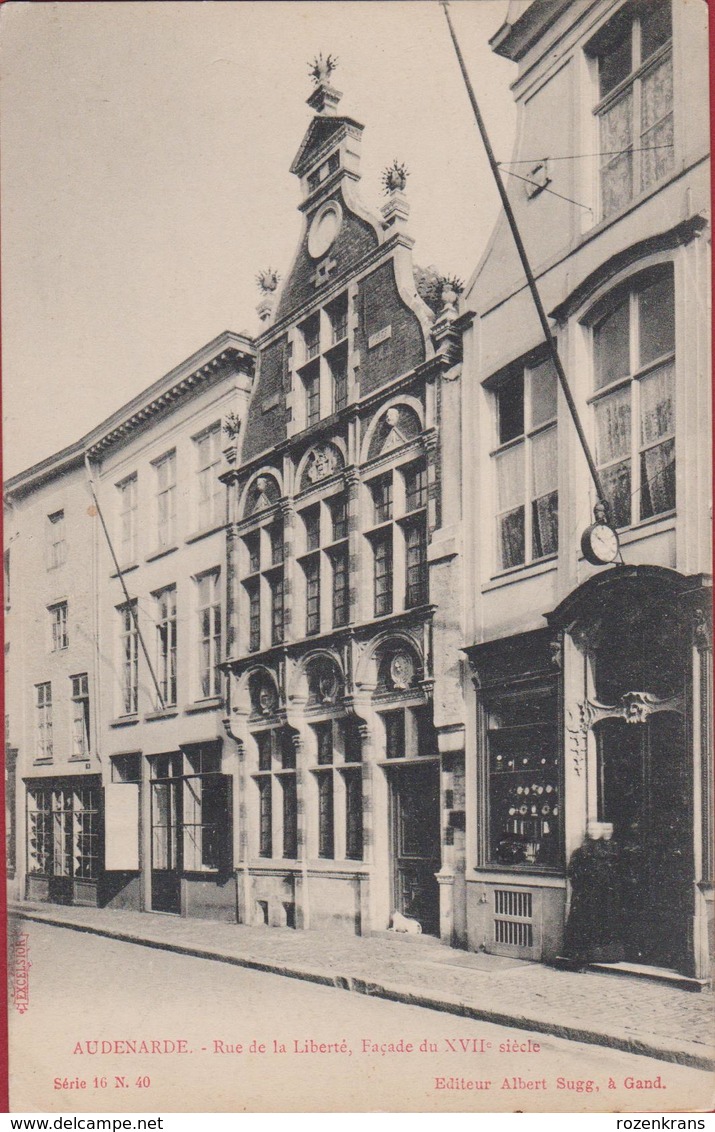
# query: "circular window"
[324,228]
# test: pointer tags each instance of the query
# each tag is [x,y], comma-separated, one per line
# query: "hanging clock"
[599,544]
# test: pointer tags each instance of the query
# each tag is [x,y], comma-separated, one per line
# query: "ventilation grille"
[512,918]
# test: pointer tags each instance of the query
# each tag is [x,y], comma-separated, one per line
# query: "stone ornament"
[323,461]
[402,670]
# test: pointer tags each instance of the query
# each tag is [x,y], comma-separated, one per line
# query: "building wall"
[580,261]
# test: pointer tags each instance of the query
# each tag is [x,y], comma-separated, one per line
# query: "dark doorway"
[165,846]
[644,790]
[416,842]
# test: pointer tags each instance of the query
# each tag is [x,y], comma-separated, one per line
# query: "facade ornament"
[702,630]
[320,69]
[394,178]
[578,721]
[268,280]
[402,670]
[267,700]
[556,650]
[322,462]
[232,425]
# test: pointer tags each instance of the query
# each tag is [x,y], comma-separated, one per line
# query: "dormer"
[330,150]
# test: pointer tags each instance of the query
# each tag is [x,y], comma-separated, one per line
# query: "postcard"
[357,576]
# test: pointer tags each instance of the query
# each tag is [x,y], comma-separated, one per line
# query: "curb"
[682,1053]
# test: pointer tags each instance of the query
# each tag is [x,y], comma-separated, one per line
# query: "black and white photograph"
[357,440]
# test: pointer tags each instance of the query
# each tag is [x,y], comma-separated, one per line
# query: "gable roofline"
[522,28]
[342,125]
[211,362]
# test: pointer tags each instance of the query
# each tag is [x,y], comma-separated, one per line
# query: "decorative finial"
[394,178]
[268,280]
[232,425]
[321,69]
[452,283]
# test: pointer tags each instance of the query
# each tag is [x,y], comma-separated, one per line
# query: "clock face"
[599,544]
[324,228]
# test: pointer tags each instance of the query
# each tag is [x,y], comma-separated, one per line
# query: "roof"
[211,362]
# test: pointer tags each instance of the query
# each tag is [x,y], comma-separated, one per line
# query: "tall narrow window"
[382,498]
[382,573]
[80,716]
[209,615]
[339,561]
[339,517]
[58,626]
[166,499]
[44,721]
[416,563]
[353,814]
[277,607]
[56,544]
[204,811]
[415,486]
[63,831]
[210,489]
[254,615]
[311,568]
[311,382]
[635,101]
[339,377]
[166,644]
[127,492]
[525,466]
[129,656]
[634,374]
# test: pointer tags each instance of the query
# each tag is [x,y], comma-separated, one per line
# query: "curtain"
[657,405]
[617,141]
[613,426]
[658,479]
[657,123]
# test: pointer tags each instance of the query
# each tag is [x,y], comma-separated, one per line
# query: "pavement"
[633,1014]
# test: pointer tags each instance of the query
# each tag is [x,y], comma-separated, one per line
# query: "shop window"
[635,102]
[63,831]
[80,716]
[524,781]
[56,540]
[58,627]
[43,701]
[191,811]
[525,465]
[634,378]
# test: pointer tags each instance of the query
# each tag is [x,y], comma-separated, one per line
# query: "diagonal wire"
[546,189]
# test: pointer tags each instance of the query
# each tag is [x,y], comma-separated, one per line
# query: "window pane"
[511,538]
[657,123]
[326,814]
[544,462]
[611,339]
[616,144]
[616,482]
[290,817]
[658,479]
[545,525]
[655,27]
[353,815]
[613,426]
[614,63]
[510,477]
[543,393]
[657,320]
[657,408]
[510,408]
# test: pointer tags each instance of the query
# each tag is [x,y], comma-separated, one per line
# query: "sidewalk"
[635,1015]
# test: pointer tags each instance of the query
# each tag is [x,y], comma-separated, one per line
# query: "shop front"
[64,839]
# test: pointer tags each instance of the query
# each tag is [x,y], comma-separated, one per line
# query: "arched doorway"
[628,664]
